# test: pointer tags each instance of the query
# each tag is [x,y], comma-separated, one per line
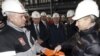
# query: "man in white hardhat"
[38,30]
[43,14]
[35,28]
[63,20]
[86,15]
[70,14]
[87,40]
[44,18]
[56,18]
[48,17]
[15,39]
[36,17]
[71,30]
[57,31]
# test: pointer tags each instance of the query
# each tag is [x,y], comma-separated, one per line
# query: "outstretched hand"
[58,48]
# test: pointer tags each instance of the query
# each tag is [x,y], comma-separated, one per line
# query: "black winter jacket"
[87,43]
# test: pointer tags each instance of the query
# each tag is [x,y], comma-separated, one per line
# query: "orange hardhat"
[49,52]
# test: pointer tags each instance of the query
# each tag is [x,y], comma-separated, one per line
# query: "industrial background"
[50,6]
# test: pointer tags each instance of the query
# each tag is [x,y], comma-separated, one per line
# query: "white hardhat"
[49,15]
[85,8]
[87,0]
[70,13]
[62,16]
[43,13]
[12,6]
[35,14]
[55,15]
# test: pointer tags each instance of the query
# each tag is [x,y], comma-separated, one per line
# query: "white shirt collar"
[44,22]
[37,26]
[15,27]
[57,25]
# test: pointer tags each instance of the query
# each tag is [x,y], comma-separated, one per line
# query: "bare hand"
[58,48]
[40,41]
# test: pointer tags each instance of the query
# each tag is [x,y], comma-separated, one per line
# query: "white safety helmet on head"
[85,8]
[70,13]
[43,13]
[55,15]
[49,16]
[35,14]
[12,6]
[62,16]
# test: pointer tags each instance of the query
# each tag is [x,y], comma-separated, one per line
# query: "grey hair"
[8,13]
[93,18]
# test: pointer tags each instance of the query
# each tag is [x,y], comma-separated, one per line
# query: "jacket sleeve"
[27,53]
[31,52]
[8,53]
[93,49]
[12,53]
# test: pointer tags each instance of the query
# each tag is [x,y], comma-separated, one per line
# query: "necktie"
[57,25]
[37,31]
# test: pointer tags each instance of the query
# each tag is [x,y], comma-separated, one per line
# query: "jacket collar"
[15,27]
[89,31]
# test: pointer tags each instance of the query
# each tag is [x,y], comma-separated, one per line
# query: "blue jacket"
[57,35]
[43,33]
